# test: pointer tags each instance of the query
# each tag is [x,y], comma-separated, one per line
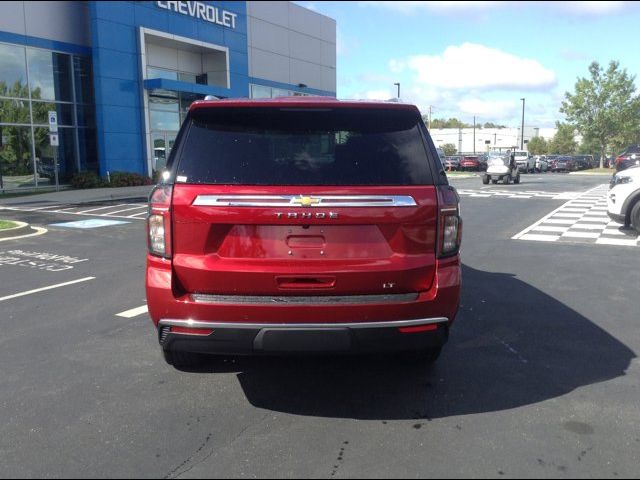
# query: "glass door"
[162,144]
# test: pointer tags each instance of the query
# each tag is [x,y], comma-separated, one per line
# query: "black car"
[629,158]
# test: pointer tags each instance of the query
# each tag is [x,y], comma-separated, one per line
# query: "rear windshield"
[294,146]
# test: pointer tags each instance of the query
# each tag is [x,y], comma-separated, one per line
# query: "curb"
[18,230]
[588,174]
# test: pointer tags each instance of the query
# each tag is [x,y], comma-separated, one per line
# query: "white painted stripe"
[589,226]
[580,235]
[577,210]
[550,229]
[546,218]
[554,221]
[136,215]
[612,231]
[103,208]
[478,195]
[43,289]
[539,238]
[124,210]
[134,312]
[617,241]
[567,215]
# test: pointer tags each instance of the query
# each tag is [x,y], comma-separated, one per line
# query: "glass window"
[160,73]
[186,99]
[341,146]
[161,120]
[83,79]
[41,113]
[166,104]
[13,72]
[67,165]
[49,75]
[14,111]
[16,167]
[259,91]
[187,77]
[86,115]
[279,92]
[88,149]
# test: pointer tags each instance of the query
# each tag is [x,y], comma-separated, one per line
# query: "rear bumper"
[254,328]
[254,339]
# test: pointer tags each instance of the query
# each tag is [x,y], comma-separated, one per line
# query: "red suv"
[302,225]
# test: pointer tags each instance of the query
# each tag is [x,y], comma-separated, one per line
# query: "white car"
[541,164]
[525,162]
[623,200]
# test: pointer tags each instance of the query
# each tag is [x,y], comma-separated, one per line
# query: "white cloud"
[492,109]
[592,8]
[435,6]
[472,66]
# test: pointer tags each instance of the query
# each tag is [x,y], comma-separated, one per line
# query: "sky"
[466,58]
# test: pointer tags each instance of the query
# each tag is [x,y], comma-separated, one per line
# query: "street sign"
[54,141]
[53,121]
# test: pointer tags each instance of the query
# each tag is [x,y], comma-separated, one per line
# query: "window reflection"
[16,166]
[13,72]
[49,75]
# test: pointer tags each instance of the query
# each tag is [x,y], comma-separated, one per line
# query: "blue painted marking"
[93,223]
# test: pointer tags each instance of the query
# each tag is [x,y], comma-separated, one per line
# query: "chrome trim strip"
[304,201]
[167,322]
[303,300]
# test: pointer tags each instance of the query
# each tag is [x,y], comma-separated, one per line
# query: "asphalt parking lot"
[539,379]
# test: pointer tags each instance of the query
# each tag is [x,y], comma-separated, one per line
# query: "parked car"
[451,163]
[524,161]
[564,164]
[469,162]
[551,160]
[583,162]
[623,200]
[302,225]
[541,164]
[629,158]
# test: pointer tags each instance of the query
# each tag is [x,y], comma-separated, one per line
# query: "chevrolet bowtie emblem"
[305,201]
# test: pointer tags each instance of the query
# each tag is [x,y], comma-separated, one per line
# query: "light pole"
[398,85]
[522,127]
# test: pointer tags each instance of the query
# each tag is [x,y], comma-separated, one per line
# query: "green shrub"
[87,180]
[128,179]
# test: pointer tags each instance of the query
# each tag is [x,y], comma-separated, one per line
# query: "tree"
[538,146]
[451,123]
[493,125]
[449,149]
[604,106]
[563,142]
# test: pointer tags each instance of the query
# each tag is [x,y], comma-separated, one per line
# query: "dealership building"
[121,76]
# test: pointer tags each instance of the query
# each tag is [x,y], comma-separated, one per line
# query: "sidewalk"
[78,197]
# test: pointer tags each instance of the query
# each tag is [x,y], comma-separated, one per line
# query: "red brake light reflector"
[419,328]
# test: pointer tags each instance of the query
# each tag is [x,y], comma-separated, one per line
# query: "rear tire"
[517,179]
[182,359]
[485,179]
[506,179]
[634,217]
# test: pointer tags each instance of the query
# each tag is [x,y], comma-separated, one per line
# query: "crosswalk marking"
[583,219]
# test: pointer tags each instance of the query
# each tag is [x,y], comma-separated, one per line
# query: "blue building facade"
[121,75]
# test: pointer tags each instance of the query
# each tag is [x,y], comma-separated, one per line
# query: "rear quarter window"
[301,146]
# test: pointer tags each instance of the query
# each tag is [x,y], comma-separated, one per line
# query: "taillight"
[449,222]
[159,221]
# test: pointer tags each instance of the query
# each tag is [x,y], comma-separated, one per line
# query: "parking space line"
[134,312]
[617,241]
[581,235]
[43,289]
[126,210]
[136,215]
[102,208]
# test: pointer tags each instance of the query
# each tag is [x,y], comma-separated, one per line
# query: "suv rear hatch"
[281,200]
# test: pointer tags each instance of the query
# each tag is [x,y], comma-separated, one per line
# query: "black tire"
[506,179]
[182,359]
[485,179]
[634,216]
[517,179]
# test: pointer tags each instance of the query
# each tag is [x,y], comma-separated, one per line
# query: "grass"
[5,225]
[458,173]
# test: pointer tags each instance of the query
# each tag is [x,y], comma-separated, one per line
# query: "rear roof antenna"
[211,97]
